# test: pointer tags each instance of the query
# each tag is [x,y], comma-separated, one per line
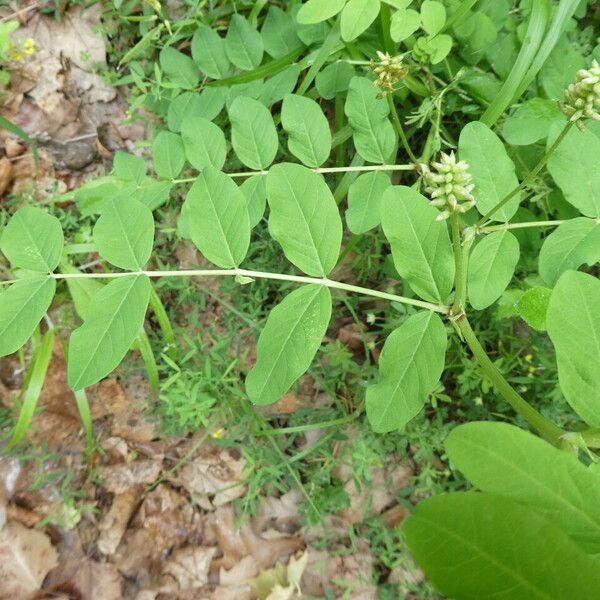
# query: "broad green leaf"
[315,11]
[243,44]
[288,343]
[531,122]
[90,196]
[168,154]
[124,233]
[33,240]
[207,104]
[572,244]
[304,218]
[493,171]
[308,130]
[252,89]
[334,79]
[374,135]
[253,133]
[574,167]
[357,15]
[218,218]
[420,244]
[255,192]
[476,546]
[364,201]
[275,88]
[129,167]
[151,192]
[22,307]
[439,47]
[279,33]
[404,24]
[208,52]
[433,16]
[491,267]
[532,307]
[506,460]
[204,143]
[410,366]
[114,320]
[573,323]
[82,289]
[179,68]
[559,69]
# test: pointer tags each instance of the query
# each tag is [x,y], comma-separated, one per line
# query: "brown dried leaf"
[120,478]
[189,566]
[6,174]
[114,523]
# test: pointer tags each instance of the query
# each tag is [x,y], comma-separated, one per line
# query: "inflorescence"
[582,98]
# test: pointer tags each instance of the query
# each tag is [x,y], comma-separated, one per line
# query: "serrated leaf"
[22,307]
[124,233]
[365,197]
[279,33]
[532,307]
[474,545]
[315,11]
[288,343]
[33,240]
[491,267]
[255,192]
[243,44]
[573,323]
[208,52]
[168,154]
[253,133]
[304,218]
[404,23]
[420,244]
[374,135]
[572,244]
[433,16]
[204,143]
[115,318]
[503,459]
[217,218]
[410,366]
[492,170]
[308,130]
[357,16]
[129,167]
[334,79]
[179,68]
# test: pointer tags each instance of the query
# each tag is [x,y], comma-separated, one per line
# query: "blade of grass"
[142,343]
[85,415]
[164,323]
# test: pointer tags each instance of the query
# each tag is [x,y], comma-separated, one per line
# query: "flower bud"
[582,98]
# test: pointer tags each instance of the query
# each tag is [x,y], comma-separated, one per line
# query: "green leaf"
[308,130]
[218,218]
[151,193]
[532,307]
[404,24]
[33,240]
[243,44]
[179,68]
[574,167]
[22,307]
[82,289]
[124,233]
[572,244]
[315,11]
[255,192]
[531,122]
[279,33]
[334,79]
[129,167]
[433,16]
[420,244]
[304,218]
[115,318]
[493,171]
[204,143]
[374,135]
[168,154]
[560,68]
[208,52]
[364,201]
[439,47]
[479,546]
[276,87]
[288,343]
[357,16]
[207,104]
[491,267]
[410,366]
[253,133]
[573,323]
[505,460]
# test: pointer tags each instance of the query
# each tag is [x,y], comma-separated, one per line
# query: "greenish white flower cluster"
[389,70]
[582,98]
[449,185]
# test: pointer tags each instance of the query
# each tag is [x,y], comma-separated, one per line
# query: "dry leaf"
[6,174]
[120,478]
[190,566]
[114,523]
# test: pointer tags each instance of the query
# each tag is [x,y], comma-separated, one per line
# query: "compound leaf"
[208,52]
[129,167]
[243,44]
[204,143]
[255,192]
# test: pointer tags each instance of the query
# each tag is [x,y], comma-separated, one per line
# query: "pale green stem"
[399,129]
[460,271]
[338,285]
[525,225]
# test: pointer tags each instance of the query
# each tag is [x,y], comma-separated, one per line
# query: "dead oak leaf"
[120,478]
[189,566]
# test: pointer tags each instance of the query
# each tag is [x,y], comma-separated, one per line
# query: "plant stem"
[531,175]
[399,129]
[525,225]
[338,285]
[541,424]
[460,275]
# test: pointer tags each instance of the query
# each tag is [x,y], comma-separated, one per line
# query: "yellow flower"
[28,46]
[218,434]
[15,54]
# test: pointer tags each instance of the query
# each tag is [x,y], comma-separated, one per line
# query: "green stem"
[460,271]
[399,129]
[338,285]
[524,225]
[541,424]
[530,177]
